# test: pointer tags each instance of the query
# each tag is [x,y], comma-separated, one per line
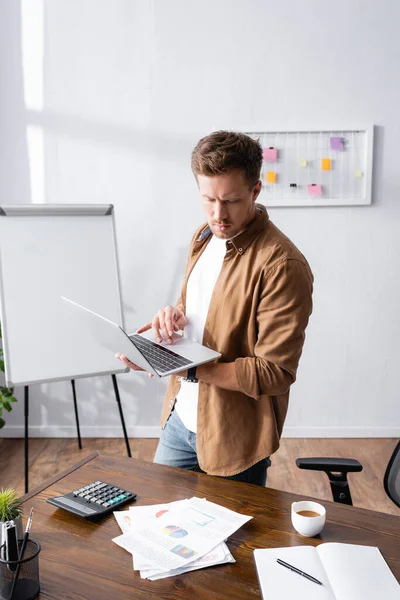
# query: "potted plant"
[10,510]
[6,394]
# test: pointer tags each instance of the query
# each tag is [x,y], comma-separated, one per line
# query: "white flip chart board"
[49,251]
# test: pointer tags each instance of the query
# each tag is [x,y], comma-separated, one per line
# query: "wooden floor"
[50,456]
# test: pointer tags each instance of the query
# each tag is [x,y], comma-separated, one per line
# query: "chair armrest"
[341,465]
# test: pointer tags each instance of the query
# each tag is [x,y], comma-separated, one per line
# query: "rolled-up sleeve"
[284,308]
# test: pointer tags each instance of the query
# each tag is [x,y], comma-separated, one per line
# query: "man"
[247,294]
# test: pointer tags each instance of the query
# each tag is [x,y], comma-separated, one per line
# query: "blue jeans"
[177,448]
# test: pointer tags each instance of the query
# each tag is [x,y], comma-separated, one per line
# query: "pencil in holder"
[21,577]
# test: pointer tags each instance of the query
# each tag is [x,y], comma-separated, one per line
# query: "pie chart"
[175,531]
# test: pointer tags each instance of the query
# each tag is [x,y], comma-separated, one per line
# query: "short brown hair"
[226,151]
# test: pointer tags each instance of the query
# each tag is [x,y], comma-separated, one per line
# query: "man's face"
[228,201]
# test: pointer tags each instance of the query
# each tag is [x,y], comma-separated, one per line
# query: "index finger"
[156,328]
[144,328]
[168,320]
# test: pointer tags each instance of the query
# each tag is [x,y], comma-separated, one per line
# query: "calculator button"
[99,502]
[106,504]
[82,495]
[93,500]
[97,482]
[87,497]
[122,496]
[102,485]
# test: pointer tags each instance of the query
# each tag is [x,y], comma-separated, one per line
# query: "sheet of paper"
[336,143]
[326,164]
[123,519]
[315,189]
[182,534]
[217,556]
[271,177]
[270,154]
[358,572]
[279,583]
[135,516]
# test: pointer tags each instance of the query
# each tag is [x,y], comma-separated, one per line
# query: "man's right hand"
[167,321]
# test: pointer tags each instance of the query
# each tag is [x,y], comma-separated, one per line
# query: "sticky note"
[271,176]
[303,162]
[337,143]
[315,189]
[326,164]
[358,174]
[270,154]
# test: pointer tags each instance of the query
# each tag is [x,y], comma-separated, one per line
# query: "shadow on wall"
[110,134]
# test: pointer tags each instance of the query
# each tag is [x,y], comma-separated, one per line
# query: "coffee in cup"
[308,518]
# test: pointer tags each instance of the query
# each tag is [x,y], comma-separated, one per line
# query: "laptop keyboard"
[160,358]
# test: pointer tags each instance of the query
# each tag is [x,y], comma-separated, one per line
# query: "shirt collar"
[242,241]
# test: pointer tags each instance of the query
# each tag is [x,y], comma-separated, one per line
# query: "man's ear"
[257,190]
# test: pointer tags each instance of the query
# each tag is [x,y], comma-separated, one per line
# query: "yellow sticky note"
[358,174]
[271,176]
[326,164]
[303,162]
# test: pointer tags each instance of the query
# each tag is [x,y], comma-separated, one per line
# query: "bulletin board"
[316,167]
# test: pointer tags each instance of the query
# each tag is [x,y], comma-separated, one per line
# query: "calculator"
[93,501]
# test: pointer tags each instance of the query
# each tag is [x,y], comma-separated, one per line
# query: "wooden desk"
[80,562]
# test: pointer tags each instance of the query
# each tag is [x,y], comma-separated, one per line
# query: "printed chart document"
[347,572]
[129,519]
[170,539]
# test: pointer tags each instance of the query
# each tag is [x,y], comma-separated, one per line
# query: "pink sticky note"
[315,189]
[337,143]
[270,154]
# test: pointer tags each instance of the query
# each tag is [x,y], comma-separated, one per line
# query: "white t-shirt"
[200,287]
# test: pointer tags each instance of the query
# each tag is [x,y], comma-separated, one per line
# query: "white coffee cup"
[308,526]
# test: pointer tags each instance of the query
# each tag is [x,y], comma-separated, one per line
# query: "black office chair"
[337,469]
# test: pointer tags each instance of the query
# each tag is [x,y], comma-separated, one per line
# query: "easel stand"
[26,416]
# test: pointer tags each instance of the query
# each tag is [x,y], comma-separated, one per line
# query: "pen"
[296,570]
[21,554]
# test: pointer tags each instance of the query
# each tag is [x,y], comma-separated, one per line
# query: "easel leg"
[121,414]
[78,431]
[26,415]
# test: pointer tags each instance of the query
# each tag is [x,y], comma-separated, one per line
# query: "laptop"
[142,349]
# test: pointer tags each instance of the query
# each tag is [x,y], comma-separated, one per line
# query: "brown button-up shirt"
[257,318]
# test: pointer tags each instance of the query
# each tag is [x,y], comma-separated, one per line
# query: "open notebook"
[348,572]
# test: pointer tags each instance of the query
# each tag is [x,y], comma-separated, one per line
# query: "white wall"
[128,87]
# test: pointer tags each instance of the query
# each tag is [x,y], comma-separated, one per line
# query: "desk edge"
[48,482]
